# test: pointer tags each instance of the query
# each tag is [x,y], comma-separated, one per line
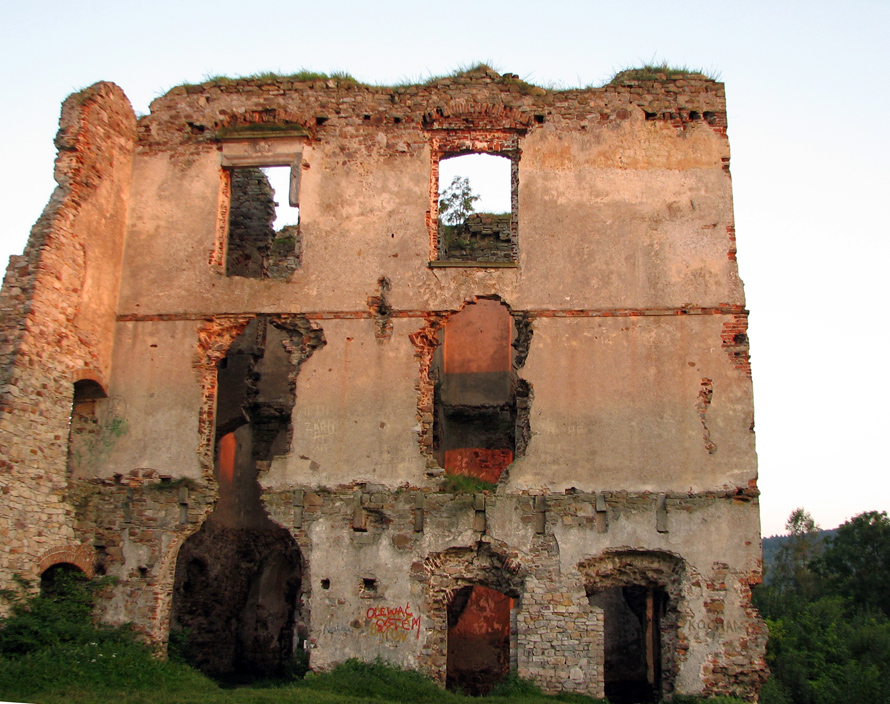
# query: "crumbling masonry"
[256,430]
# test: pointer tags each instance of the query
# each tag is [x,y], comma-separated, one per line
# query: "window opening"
[477,208]
[84,426]
[632,617]
[478,654]
[264,224]
[475,394]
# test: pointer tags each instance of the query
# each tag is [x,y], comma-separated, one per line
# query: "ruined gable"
[517,440]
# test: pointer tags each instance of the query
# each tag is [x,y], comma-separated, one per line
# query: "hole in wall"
[237,586]
[480,403]
[477,199]
[85,424]
[325,584]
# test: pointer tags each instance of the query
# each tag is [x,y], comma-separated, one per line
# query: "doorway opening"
[478,655]
[632,622]
[639,593]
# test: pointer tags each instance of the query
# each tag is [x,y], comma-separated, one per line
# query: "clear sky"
[807,99]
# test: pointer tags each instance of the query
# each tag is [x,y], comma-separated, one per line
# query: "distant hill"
[772,544]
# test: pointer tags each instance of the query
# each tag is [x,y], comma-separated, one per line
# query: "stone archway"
[639,594]
[472,595]
[83,557]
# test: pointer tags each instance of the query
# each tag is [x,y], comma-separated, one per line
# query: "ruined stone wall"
[380,568]
[57,319]
[634,418]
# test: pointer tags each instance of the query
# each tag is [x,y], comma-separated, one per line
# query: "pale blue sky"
[807,102]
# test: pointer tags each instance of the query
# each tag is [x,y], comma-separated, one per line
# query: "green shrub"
[465,484]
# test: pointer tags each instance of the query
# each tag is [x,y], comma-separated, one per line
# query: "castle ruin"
[526,444]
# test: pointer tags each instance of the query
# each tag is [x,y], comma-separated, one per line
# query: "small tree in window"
[456,202]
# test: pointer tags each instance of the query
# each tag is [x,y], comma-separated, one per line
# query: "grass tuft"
[465,484]
[659,72]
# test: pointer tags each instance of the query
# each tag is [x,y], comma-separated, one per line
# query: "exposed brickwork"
[190,115]
[735,341]
[214,339]
[137,523]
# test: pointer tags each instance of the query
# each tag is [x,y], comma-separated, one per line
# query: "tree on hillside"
[856,562]
[792,570]
[826,609]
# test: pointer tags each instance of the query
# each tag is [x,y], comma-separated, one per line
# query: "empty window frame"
[264,223]
[475,199]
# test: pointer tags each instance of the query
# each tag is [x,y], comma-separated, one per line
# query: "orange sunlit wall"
[477,340]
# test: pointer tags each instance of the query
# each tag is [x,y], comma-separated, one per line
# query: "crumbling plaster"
[640,439]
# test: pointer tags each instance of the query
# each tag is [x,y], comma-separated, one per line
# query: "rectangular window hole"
[264,228]
[477,203]
[369,585]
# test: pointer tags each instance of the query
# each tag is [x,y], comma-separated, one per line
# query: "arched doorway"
[55,579]
[472,598]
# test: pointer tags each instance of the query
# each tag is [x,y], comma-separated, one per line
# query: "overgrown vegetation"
[827,605]
[648,72]
[658,72]
[465,484]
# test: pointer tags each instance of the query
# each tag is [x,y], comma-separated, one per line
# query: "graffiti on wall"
[393,624]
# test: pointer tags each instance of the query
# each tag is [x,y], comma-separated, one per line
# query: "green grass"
[465,484]
[647,72]
[662,73]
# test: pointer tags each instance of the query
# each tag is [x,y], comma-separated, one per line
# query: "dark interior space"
[236,601]
[632,622]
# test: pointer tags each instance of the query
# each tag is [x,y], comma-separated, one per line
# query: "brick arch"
[81,556]
[90,374]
